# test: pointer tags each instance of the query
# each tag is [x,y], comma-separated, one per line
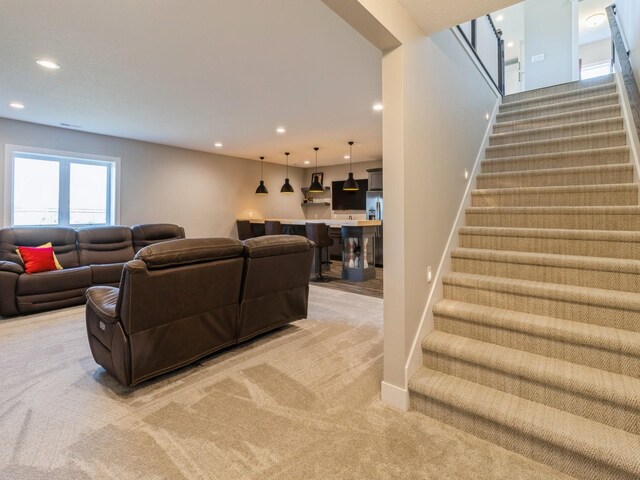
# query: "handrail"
[472,42]
[633,92]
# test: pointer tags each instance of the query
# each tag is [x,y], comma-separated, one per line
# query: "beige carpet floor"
[301,403]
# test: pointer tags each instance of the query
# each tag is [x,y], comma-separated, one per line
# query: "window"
[50,189]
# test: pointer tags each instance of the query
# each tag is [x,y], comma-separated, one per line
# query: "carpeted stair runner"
[536,344]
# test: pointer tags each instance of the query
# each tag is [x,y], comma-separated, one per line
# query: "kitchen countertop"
[330,222]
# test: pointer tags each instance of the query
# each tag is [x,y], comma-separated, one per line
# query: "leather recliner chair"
[149,233]
[177,301]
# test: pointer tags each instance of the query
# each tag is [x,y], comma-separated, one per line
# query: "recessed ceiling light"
[280,130]
[499,18]
[346,157]
[378,107]
[510,44]
[48,64]
[307,162]
[595,20]
[16,105]
[217,145]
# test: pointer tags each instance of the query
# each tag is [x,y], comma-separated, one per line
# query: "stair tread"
[605,338]
[621,265]
[556,116]
[599,187]
[614,133]
[556,291]
[552,128]
[602,80]
[586,92]
[540,110]
[610,235]
[593,382]
[612,167]
[583,210]
[568,153]
[578,434]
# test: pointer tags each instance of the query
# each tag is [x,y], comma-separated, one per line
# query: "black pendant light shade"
[262,189]
[350,185]
[287,188]
[316,186]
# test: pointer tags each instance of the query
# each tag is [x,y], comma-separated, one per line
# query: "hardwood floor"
[371,288]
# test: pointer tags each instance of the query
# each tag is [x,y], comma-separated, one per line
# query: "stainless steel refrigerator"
[375,211]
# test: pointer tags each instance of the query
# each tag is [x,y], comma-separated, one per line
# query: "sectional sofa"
[89,256]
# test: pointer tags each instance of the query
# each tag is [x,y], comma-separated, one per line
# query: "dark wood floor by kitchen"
[371,288]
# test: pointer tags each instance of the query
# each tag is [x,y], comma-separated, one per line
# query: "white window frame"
[13,151]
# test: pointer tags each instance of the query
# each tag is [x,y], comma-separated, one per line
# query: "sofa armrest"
[12,267]
[103,301]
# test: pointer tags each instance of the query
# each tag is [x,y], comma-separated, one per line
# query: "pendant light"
[350,185]
[316,186]
[287,188]
[261,190]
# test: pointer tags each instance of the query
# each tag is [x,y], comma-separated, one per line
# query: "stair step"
[608,273]
[575,445]
[570,195]
[601,396]
[565,144]
[614,350]
[563,87]
[580,218]
[544,161]
[607,308]
[591,243]
[559,97]
[558,131]
[590,175]
[608,111]
[557,108]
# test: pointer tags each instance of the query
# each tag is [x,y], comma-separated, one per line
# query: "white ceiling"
[588,34]
[190,73]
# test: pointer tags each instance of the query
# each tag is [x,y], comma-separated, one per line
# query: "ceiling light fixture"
[377,107]
[347,157]
[287,188]
[500,18]
[316,186]
[307,162]
[510,44]
[280,130]
[48,64]
[16,105]
[262,190]
[350,185]
[595,20]
[217,145]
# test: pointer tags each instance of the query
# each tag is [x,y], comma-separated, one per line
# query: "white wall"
[435,101]
[550,29]
[595,52]
[335,173]
[629,18]
[202,192]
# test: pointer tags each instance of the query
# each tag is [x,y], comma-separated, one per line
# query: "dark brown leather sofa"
[89,256]
[182,300]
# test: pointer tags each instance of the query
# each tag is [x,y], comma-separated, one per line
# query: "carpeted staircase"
[536,344]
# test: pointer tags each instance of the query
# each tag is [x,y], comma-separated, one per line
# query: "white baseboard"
[394,396]
[632,138]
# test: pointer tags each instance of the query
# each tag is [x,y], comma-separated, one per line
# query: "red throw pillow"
[37,259]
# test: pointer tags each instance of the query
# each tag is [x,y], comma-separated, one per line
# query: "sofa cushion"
[37,259]
[272,245]
[106,274]
[54,281]
[188,251]
[100,245]
[63,240]
[148,234]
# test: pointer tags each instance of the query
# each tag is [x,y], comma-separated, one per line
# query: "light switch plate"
[537,58]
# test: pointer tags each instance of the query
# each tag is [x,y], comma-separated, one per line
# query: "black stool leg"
[319,276]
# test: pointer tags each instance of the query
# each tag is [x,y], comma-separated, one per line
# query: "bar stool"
[245,232]
[318,233]
[272,227]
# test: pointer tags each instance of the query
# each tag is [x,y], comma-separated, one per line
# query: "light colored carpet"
[302,402]
[536,344]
